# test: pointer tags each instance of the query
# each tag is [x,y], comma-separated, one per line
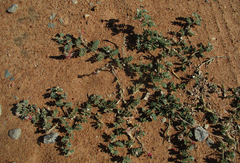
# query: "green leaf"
[126,160]
[128,59]
[59,103]
[100,56]
[78,42]
[61,34]
[114,53]
[79,127]
[68,104]
[129,143]
[54,114]
[69,152]
[182,32]
[190,158]
[82,52]
[164,85]
[118,144]
[189,21]
[136,152]
[95,45]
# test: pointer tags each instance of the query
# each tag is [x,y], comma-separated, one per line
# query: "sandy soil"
[29,54]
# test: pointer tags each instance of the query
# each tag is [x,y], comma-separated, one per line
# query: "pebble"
[7,73]
[74,2]
[206,126]
[200,134]
[164,120]
[209,142]
[15,97]
[61,20]
[98,2]
[91,4]
[51,138]
[13,8]
[52,16]
[86,16]
[51,25]
[12,78]
[14,133]
[146,96]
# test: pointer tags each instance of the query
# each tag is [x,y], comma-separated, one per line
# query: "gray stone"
[98,2]
[51,138]
[7,73]
[74,2]
[15,97]
[13,8]
[52,16]
[51,25]
[200,134]
[91,4]
[209,142]
[61,20]
[12,78]
[15,133]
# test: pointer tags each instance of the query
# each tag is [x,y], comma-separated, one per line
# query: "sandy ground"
[29,54]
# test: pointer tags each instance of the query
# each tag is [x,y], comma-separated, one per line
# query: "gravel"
[51,25]
[15,133]
[51,138]
[200,134]
[13,8]
[52,16]
[7,73]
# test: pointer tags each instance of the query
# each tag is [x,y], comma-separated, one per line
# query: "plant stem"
[80,35]
[121,90]
[50,130]
[123,44]
[210,60]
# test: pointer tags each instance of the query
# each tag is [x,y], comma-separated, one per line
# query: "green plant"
[128,112]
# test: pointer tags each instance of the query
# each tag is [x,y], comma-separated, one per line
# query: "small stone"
[98,2]
[15,97]
[213,38]
[209,142]
[146,96]
[200,134]
[164,119]
[91,4]
[12,78]
[51,138]
[51,25]
[74,2]
[206,126]
[14,133]
[7,73]
[86,16]
[13,8]
[95,8]
[61,20]
[206,1]
[52,16]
